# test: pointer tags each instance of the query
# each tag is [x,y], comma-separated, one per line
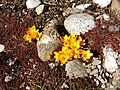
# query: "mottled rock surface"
[75,69]
[79,23]
[49,41]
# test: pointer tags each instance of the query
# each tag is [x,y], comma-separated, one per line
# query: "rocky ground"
[22,69]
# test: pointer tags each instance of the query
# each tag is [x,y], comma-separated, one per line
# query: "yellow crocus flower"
[86,55]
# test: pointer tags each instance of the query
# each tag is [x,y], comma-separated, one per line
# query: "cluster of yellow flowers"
[72,48]
[32,33]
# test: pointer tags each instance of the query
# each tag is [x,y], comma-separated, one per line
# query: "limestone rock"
[79,23]
[102,3]
[32,3]
[49,41]
[109,60]
[75,69]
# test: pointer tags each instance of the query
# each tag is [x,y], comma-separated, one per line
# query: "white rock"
[96,62]
[32,3]
[93,67]
[2,47]
[109,60]
[79,23]
[95,71]
[102,3]
[99,67]
[8,78]
[106,17]
[52,65]
[64,86]
[97,82]
[82,6]
[39,9]
[103,85]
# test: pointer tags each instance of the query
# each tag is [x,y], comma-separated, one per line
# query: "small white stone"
[102,3]
[88,66]
[97,82]
[64,86]
[32,3]
[27,88]
[107,74]
[96,62]
[106,17]
[99,67]
[103,85]
[109,60]
[94,72]
[8,78]
[82,6]
[51,65]
[39,9]
[34,65]
[2,47]
[88,70]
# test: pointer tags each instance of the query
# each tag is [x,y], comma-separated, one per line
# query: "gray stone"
[88,70]
[96,62]
[79,23]
[75,69]
[99,67]
[49,41]
[95,71]
[110,87]
[116,79]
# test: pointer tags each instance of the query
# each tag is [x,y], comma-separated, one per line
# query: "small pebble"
[2,47]
[94,72]
[32,3]
[39,9]
[96,62]
[103,85]
[51,65]
[8,78]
